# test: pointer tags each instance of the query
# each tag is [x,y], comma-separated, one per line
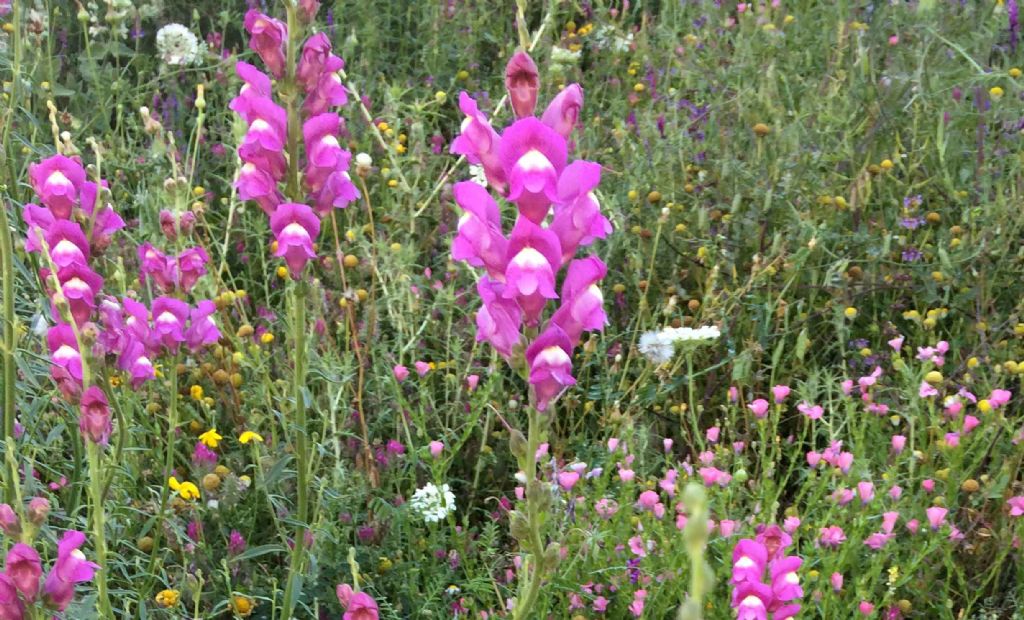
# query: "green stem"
[99,537]
[7,277]
[301,449]
[532,571]
[165,493]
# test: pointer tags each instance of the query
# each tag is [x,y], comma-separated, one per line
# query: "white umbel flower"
[177,45]
[433,503]
[660,346]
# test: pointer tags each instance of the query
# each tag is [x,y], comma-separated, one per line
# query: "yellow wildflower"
[248,436]
[168,598]
[211,438]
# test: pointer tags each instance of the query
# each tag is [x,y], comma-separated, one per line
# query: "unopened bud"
[9,521]
[200,98]
[38,510]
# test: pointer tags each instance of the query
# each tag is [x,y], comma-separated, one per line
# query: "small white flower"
[476,175]
[364,159]
[177,45]
[656,348]
[433,503]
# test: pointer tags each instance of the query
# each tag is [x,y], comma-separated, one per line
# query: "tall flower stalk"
[557,213]
[277,140]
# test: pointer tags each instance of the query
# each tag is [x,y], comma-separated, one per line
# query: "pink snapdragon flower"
[521,81]
[295,227]
[57,180]
[268,40]
[94,420]
[23,567]
[69,569]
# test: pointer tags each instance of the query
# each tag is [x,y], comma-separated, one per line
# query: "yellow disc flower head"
[168,598]
[186,489]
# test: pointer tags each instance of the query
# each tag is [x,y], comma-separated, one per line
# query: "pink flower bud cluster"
[557,213]
[325,179]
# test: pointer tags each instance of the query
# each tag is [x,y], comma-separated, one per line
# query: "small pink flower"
[422,368]
[998,398]
[1016,505]
[889,521]
[779,393]
[568,479]
[400,372]
[898,443]
[436,448]
[713,434]
[866,491]
[913,525]
[847,386]
[759,408]
[626,475]
[970,423]
[936,516]
[831,536]
[866,608]
[472,381]
[648,499]
[896,491]
[928,485]
[896,343]
[926,390]
[734,394]
[837,581]
[666,444]
[791,524]
[813,412]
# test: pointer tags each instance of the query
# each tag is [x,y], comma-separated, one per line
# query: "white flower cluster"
[660,346]
[177,45]
[433,503]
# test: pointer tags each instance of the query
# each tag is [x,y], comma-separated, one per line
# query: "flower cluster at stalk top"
[557,213]
[326,184]
[660,346]
[433,503]
[71,228]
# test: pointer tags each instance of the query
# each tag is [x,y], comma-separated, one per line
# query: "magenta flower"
[191,266]
[265,140]
[80,285]
[785,580]
[998,397]
[549,358]
[38,220]
[169,321]
[329,91]
[836,579]
[889,521]
[64,350]
[23,567]
[256,85]
[582,306]
[338,191]
[11,607]
[67,243]
[324,154]
[759,408]
[422,368]
[202,329]
[534,256]
[533,156]
[866,491]
[267,40]
[295,227]
[479,241]
[779,393]
[877,540]
[1016,505]
[749,559]
[57,180]
[563,113]
[813,412]
[751,600]
[498,320]
[898,443]
[70,568]
[9,523]
[94,416]
[401,372]
[568,479]
[158,266]
[578,220]
[479,143]
[315,52]
[105,221]
[256,184]
[357,605]
[521,81]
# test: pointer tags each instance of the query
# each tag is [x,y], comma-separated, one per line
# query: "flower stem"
[7,277]
[99,537]
[172,428]
[301,448]
[532,571]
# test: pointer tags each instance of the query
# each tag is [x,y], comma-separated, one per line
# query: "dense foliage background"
[814,178]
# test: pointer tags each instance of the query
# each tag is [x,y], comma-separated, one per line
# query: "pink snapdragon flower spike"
[267,40]
[324,154]
[191,266]
[479,143]
[23,567]
[158,267]
[69,569]
[522,82]
[549,358]
[315,52]
[534,256]
[533,156]
[265,140]
[751,600]
[57,180]
[295,228]
[94,422]
[499,319]
[329,91]
[785,580]
[563,113]
[38,220]
[479,241]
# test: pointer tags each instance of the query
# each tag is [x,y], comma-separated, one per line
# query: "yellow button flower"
[168,598]
[248,436]
[211,438]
